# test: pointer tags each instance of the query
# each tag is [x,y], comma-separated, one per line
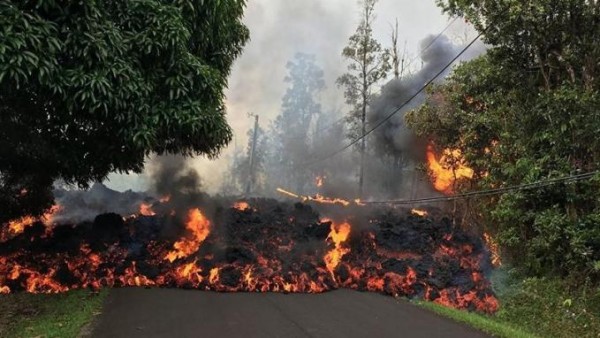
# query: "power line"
[491,192]
[398,109]
[433,41]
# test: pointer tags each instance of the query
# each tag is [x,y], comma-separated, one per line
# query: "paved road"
[342,313]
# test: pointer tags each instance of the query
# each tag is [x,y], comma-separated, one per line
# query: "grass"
[487,324]
[535,307]
[60,315]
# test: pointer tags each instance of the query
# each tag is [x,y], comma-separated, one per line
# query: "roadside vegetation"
[535,307]
[57,315]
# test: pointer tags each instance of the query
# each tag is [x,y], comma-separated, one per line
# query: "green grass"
[535,307]
[487,324]
[61,315]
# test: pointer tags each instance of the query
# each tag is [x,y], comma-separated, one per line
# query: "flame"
[18,226]
[165,199]
[199,226]
[288,193]
[319,181]
[338,235]
[241,206]
[4,290]
[494,249]
[318,198]
[146,210]
[444,175]
[419,212]
[214,276]
[325,200]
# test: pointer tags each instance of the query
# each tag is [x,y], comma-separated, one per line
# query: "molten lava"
[271,247]
[199,226]
[447,170]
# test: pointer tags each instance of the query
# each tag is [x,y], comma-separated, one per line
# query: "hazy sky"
[281,28]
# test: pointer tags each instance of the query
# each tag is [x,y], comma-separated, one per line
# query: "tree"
[529,111]
[88,88]
[369,64]
[299,109]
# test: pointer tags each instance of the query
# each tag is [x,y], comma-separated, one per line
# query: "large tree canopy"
[92,87]
[527,111]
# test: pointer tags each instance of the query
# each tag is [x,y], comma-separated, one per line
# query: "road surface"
[343,313]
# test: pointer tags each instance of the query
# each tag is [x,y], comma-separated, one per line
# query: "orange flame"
[18,226]
[146,210]
[444,175]
[418,212]
[199,226]
[338,235]
[319,181]
[494,250]
[241,206]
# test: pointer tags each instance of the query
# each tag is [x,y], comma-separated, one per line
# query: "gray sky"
[279,29]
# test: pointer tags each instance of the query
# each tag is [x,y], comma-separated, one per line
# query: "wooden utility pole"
[252,152]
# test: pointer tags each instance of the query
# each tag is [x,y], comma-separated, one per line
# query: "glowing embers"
[338,235]
[447,169]
[241,205]
[146,210]
[199,227]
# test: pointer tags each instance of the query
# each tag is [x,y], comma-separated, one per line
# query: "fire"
[325,200]
[338,235]
[261,252]
[318,198]
[494,249]
[241,206]
[146,210]
[18,226]
[444,174]
[319,181]
[165,199]
[418,212]
[199,226]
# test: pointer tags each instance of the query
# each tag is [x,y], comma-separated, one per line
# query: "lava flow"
[258,245]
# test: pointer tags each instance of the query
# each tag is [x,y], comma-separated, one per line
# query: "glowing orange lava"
[444,174]
[199,226]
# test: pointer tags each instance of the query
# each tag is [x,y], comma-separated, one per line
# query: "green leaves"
[90,88]
[527,111]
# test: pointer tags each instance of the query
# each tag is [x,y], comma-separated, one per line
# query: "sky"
[278,30]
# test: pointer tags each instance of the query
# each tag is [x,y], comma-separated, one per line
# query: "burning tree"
[89,88]
[528,111]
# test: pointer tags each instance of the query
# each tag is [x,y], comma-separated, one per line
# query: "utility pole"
[252,152]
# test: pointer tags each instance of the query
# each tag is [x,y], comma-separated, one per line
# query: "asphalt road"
[342,313]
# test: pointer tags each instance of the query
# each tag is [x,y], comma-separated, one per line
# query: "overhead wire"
[399,108]
[491,192]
